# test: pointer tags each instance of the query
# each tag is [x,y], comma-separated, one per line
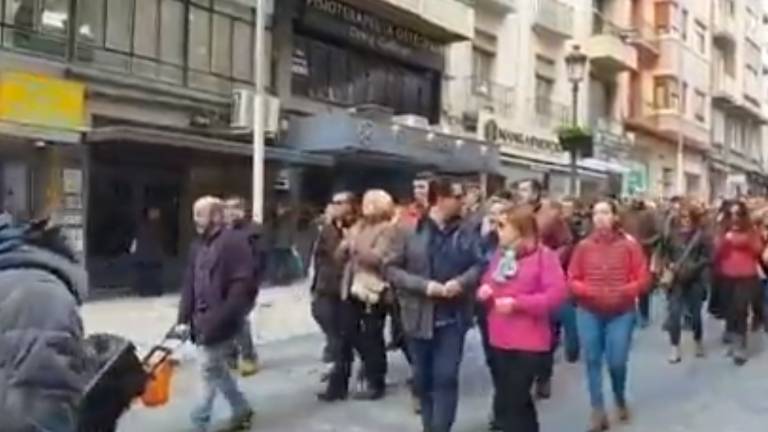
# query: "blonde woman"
[363,289]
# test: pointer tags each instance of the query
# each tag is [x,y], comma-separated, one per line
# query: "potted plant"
[575,138]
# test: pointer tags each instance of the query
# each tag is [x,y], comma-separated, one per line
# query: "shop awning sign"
[41,100]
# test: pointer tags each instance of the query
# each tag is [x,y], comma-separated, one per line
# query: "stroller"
[117,377]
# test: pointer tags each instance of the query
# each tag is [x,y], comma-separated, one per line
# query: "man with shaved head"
[216,297]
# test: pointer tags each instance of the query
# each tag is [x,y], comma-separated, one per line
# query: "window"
[684,24]
[199,49]
[119,24]
[545,87]
[730,8]
[665,93]
[243,34]
[222,45]
[482,69]
[700,105]
[91,14]
[701,38]
[684,98]
[37,25]
[145,35]
[344,76]
[172,32]
[665,13]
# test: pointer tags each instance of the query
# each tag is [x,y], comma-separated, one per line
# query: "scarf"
[508,264]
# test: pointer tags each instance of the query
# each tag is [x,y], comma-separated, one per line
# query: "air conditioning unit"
[242,111]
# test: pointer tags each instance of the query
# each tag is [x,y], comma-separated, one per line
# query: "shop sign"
[366,30]
[41,100]
[494,133]
[636,179]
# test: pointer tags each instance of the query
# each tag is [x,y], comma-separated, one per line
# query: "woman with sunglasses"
[738,249]
[523,285]
[607,273]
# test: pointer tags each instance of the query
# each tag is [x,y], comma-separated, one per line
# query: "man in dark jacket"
[41,289]
[244,356]
[435,271]
[217,294]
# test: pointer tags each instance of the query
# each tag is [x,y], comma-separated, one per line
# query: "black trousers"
[742,293]
[326,310]
[482,324]
[362,329]
[516,372]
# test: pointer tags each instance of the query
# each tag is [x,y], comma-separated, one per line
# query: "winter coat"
[217,309]
[690,272]
[737,254]
[607,272]
[42,356]
[408,269]
[364,255]
[328,269]
[643,226]
[538,288]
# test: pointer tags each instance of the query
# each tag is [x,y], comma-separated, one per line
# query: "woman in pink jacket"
[524,284]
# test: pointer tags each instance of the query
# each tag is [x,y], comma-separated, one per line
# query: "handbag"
[667,277]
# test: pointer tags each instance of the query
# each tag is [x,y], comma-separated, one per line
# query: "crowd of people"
[530,272]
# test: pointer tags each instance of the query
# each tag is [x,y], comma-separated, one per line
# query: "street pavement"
[698,395]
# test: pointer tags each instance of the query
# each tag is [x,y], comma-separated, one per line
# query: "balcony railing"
[550,114]
[724,24]
[555,17]
[644,36]
[473,94]
[601,25]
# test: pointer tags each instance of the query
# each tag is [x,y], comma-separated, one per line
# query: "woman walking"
[738,248]
[524,284]
[688,253]
[607,273]
[363,292]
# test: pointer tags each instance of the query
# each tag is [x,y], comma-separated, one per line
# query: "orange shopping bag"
[157,391]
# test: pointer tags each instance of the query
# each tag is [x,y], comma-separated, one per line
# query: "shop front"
[41,159]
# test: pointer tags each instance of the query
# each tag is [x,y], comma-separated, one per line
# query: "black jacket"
[328,269]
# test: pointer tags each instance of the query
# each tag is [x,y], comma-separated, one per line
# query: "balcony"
[467,97]
[723,25]
[608,48]
[549,114]
[499,6]
[447,20]
[554,18]
[725,93]
[644,38]
[667,123]
[610,137]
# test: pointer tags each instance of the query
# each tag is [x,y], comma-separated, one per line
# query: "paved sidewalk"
[281,313]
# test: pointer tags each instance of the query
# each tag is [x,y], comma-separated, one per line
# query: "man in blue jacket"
[216,297]
[435,271]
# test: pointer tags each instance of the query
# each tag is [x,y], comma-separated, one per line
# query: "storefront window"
[172,32]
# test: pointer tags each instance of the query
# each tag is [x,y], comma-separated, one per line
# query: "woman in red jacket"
[737,256]
[608,272]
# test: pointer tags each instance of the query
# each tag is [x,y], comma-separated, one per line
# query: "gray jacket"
[42,359]
[408,269]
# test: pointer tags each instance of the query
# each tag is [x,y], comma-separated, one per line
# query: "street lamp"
[576,63]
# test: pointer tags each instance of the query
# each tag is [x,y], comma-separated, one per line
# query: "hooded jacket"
[42,358]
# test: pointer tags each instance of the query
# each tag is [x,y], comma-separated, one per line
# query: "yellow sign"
[42,101]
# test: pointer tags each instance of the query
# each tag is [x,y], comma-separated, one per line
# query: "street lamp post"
[258,115]
[575,62]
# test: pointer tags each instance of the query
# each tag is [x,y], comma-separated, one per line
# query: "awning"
[30,132]
[342,134]
[145,135]
[604,166]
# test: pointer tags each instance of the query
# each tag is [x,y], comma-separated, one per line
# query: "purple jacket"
[218,289]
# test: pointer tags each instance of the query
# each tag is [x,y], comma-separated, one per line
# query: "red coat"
[737,253]
[607,272]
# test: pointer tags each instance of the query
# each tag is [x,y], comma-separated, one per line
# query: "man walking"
[244,353]
[217,294]
[436,271]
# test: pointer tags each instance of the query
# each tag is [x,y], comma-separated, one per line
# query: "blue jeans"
[218,378]
[566,320]
[436,364]
[609,337]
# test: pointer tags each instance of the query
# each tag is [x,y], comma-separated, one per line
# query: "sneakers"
[248,367]
[240,422]
[675,356]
